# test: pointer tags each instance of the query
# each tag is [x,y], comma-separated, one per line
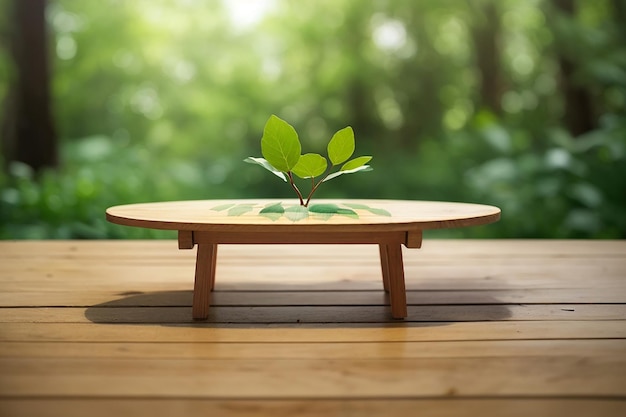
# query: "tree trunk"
[619,17]
[29,133]
[487,46]
[579,117]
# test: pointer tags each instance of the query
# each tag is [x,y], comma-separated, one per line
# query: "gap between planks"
[459,247]
[315,314]
[296,350]
[326,333]
[246,297]
[429,407]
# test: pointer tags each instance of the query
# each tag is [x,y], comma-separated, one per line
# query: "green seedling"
[281,150]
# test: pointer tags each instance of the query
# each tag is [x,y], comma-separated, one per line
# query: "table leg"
[206,258]
[397,291]
[384,264]
[213,266]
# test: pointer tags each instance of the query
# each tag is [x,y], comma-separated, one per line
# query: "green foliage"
[273,211]
[281,148]
[310,165]
[295,213]
[164,106]
[352,166]
[70,203]
[341,146]
[332,209]
[280,145]
[263,162]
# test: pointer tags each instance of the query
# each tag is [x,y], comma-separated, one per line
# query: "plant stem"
[316,186]
[295,188]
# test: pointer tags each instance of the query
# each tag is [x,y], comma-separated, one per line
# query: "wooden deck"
[503,328]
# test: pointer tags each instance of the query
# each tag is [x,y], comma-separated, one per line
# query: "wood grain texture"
[316,314]
[207,215]
[227,332]
[185,239]
[437,407]
[315,350]
[397,291]
[206,259]
[493,328]
[316,378]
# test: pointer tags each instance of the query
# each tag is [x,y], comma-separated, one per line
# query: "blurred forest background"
[515,103]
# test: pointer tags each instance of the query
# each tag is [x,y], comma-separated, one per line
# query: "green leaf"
[222,207]
[280,145]
[296,213]
[273,208]
[355,163]
[351,171]
[324,208]
[263,162]
[310,165]
[330,209]
[240,209]
[322,216]
[272,216]
[373,210]
[348,212]
[379,211]
[341,146]
[357,206]
[272,211]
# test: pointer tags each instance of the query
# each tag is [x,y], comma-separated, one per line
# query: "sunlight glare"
[248,13]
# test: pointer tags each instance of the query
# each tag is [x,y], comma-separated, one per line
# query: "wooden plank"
[172,295]
[360,276]
[323,276]
[542,358]
[317,333]
[316,314]
[433,250]
[159,278]
[336,350]
[156,407]
[316,378]
[165,251]
[466,248]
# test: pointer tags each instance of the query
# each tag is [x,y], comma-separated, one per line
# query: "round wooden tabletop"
[287,215]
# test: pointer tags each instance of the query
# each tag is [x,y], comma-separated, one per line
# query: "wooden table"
[386,223]
[494,328]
